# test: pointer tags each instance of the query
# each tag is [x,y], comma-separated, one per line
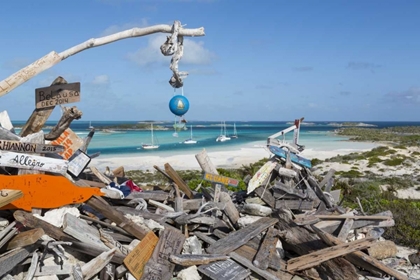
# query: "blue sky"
[260,60]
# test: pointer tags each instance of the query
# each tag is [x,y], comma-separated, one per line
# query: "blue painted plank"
[294,158]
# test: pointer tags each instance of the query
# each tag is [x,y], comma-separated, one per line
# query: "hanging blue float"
[179,105]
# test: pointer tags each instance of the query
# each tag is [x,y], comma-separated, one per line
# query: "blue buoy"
[179,105]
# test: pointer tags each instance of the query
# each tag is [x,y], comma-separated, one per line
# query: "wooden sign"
[137,259]
[261,176]
[70,141]
[26,147]
[224,270]
[159,266]
[220,179]
[57,95]
[77,163]
[45,191]
[31,162]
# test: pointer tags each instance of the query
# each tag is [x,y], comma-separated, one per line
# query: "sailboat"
[222,137]
[235,134]
[90,125]
[150,146]
[190,140]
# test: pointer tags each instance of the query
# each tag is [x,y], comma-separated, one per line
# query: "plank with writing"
[137,259]
[220,179]
[70,141]
[31,162]
[27,147]
[159,267]
[56,95]
[224,270]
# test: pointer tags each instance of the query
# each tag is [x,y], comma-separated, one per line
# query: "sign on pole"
[221,179]
[28,147]
[57,95]
[24,161]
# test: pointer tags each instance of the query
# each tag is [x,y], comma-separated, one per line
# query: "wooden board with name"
[26,147]
[159,267]
[31,162]
[137,259]
[56,95]
[214,178]
[224,270]
[70,141]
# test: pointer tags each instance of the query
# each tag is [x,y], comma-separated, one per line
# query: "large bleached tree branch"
[54,58]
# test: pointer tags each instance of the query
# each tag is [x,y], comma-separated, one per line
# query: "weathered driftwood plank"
[266,196]
[345,229]
[327,181]
[178,180]
[320,256]
[8,235]
[109,241]
[314,184]
[8,196]
[294,204]
[80,230]
[189,260]
[93,250]
[230,209]
[115,228]
[224,270]
[4,232]
[39,116]
[29,147]
[159,267]
[100,175]
[45,191]
[69,114]
[240,237]
[240,259]
[108,272]
[340,217]
[155,195]
[32,162]
[70,141]
[208,167]
[86,142]
[11,259]
[267,248]
[30,221]
[161,205]
[8,135]
[137,259]
[94,266]
[25,238]
[359,258]
[117,217]
[57,95]
[262,175]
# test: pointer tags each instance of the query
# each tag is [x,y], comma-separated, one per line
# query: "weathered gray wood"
[359,258]
[314,184]
[29,147]
[327,181]
[345,229]
[189,259]
[5,231]
[281,189]
[290,173]
[192,204]
[230,209]
[294,204]
[161,205]
[320,256]
[39,116]
[240,237]
[69,115]
[33,267]
[178,180]
[94,266]
[266,196]
[53,270]
[8,236]
[108,272]
[80,230]
[115,228]
[207,166]
[109,241]
[8,135]
[11,259]
[170,242]
[100,175]
[268,247]
[31,162]
[25,238]
[155,195]
[224,270]
[57,95]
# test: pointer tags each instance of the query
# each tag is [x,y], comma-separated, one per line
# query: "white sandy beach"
[222,159]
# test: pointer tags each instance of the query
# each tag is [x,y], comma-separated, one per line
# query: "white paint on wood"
[5,121]
[31,162]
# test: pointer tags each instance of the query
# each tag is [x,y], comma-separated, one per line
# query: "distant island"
[351,124]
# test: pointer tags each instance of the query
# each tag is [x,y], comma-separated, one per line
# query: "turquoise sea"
[314,135]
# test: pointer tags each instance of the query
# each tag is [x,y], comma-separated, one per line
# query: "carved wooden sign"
[137,259]
[57,95]
[70,141]
[224,270]
[27,147]
[24,161]
[220,179]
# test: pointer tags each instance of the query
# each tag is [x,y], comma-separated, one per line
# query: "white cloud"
[121,27]
[194,52]
[312,105]
[101,80]
[410,96]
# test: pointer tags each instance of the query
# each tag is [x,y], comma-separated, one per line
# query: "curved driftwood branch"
[69,114]
[54,58]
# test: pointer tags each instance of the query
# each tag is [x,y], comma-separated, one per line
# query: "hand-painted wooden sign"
[56,95]
[26,147]
[224,270]
[70,141]
[261,175]
[137,259]
[220,179]
[77,163]
[45,191]
[293,157]
[24,161]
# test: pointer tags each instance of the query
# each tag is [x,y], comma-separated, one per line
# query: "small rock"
[383,249]
[190,273]
[192,246]
[414,258]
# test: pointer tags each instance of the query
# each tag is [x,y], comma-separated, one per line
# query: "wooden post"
[178,180]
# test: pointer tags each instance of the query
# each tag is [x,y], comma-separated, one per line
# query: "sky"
[329,60]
